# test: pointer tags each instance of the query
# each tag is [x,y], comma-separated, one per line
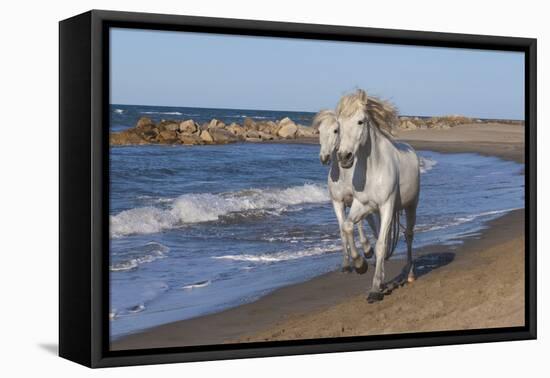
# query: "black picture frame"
[84,178]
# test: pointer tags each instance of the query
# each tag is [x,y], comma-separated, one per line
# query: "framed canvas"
[235,188]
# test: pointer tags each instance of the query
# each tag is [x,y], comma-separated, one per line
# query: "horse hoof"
[411,279]
[346,269]
[375,296]
[362,269]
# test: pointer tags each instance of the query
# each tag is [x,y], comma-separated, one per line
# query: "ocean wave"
[152,251]
[280,256]
[426,164]
[460,220]
[206,207]
[167,113]
[120,111]
[150,293]
[137,308]
[247,116]
[470,218]
[197,285]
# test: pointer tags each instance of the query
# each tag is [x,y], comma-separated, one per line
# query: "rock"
[168,137]
[253,140]
[215,124]
[266,136]
[222,136]
[287,128]
[168,126]
[249,124]
[150,134]
[147,131]
[252,134]
[236,129]
[144,122]
[306,132]
[206,137]
[187,127]
[190,139]
[126,137]
[406,124]
[269,127]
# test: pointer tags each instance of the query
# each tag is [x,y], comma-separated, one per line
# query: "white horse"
[339,186]
[386,177]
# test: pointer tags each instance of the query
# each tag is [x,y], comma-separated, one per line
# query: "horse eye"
[336,131]
[360,122]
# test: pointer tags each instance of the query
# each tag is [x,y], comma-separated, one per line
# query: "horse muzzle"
[325,159]
[345,159]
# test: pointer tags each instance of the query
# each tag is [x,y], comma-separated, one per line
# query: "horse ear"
[362,95]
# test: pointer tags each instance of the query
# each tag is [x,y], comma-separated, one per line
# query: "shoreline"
[476,284]
[298,311]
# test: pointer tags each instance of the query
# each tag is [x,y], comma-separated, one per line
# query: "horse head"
[329,131]
[353,119]
[358,115]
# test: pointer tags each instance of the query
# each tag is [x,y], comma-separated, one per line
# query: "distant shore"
[492,139]
[478,284]
[189,132]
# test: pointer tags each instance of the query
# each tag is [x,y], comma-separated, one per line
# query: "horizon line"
[308,111]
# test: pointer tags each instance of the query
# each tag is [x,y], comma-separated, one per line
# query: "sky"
[243,72]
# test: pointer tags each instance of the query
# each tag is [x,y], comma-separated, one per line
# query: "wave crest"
[150,252]
[206,207]
[167,113]
[280,256]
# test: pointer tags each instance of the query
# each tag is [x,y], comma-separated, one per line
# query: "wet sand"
[477,284]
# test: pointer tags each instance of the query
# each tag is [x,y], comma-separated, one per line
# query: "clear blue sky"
[220,71]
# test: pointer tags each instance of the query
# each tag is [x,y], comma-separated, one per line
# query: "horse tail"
[394,233]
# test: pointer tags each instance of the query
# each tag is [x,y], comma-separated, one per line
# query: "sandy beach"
[476,284]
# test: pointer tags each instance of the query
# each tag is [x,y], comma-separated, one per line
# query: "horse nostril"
[345,157]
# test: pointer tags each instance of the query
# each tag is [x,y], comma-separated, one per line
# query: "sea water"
[196,230]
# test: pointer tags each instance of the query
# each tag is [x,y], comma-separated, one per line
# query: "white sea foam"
[460,220]
[119,111]
[137,308]
[281,256]
[205,207]
[426,164]
[154,252]
[197,285]
[167,113]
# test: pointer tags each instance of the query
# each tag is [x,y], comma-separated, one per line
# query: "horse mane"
[322,116]
[382,113]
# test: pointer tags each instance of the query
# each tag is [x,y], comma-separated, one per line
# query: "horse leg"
[356,213]
[386,218]
[410,213]
[340,211]
[367,248]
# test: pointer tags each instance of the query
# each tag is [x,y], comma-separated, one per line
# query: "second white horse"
[340,190]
